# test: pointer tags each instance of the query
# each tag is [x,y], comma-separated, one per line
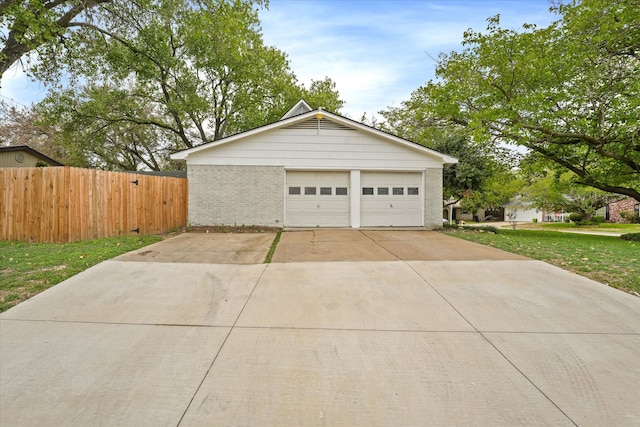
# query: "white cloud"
[378,52]
[15,86]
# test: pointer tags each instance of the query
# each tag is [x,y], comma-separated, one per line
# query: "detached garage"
[314,169]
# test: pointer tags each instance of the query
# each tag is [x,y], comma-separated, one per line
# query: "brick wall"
[236,195]
[433,198]
[624,205]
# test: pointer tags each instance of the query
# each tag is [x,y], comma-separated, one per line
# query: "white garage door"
[317,199]
[391,199]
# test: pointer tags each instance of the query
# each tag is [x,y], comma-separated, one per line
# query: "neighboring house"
[556,216]
[612,210]
[24,157]
[314,169]
[521,211]
[454,213]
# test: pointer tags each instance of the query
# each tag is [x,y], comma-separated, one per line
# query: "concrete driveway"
[465,335]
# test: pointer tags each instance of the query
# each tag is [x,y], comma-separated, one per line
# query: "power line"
[13,101]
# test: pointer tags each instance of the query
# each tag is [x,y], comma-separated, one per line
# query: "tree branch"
[15,47]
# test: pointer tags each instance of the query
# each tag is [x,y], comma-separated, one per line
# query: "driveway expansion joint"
[226,338]
[487,340]
[329,333]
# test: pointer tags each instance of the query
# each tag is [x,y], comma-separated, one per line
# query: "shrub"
[488,229]
[575,217]
[534,220]
[597,219]
[632,217]
[481,229]
[633,237]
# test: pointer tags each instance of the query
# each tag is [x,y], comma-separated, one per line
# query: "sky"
[376,51]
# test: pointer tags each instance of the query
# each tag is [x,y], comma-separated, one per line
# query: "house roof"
[31,151]
[301,107]
[294,116]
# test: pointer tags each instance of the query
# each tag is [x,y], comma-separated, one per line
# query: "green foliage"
[632,237]
[569,92]
[471,228]
[605,259]
[321,93]
[30,268]
[482,178]
[38,24]
[158,76]
[556,193]
[575,217]
[632,217]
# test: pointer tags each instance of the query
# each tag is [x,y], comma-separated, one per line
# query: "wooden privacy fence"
[65,204]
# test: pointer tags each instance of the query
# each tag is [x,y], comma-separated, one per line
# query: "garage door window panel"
[398,191]
[341,191]
[383,191]
[413,191]
[294,191]
[310,191]
[325,191]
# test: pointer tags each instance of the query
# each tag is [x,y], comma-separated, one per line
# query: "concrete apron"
[398,342]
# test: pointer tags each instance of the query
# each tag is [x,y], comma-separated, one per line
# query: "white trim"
[354,208]
[423,197]
[371,169]
[302,103]
[285,191]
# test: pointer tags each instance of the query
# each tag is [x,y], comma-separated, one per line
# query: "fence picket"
[66,204]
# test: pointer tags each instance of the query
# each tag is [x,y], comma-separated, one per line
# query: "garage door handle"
[318,206]
[390,205]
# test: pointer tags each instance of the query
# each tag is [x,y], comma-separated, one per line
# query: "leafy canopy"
[559,193]
[483,176]
[156,76]
[570,92]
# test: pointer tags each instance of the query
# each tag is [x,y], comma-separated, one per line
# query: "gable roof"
[319,114]
[301,107]
[33,152]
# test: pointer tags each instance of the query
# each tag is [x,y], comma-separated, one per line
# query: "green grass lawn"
[29,268]
[606,259]
[605,226]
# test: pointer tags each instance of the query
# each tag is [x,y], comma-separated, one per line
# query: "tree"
[21,126]
[560,193]
[173,75]
[321,93]
[29,25]
[570,92]
[499,188]
[18,126]
[483,176]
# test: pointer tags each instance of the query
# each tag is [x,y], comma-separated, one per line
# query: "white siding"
[308,149]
